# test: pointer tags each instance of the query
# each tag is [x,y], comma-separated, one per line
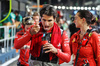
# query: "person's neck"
[84,30]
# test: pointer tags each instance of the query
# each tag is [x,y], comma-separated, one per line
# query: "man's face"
[60,22]
[16,14]
[36,19]
[47,22]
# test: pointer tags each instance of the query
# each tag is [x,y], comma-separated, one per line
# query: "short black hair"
[16,11]
[57,19]
[36,14]
[48,10]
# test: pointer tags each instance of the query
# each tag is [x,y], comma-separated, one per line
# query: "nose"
[74,21]
[46,23]
[35,20]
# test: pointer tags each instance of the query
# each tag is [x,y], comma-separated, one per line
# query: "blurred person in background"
[95,27]
[48,28]
[65,25]
[36,17]
[98,25]
[98,22]
[24,50]
[85,43]
[18,20]
[18,16]
[8,22]
[29,12]
[59,22]
[12,17]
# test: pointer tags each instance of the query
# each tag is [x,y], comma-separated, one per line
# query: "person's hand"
[35,29]
[50,47]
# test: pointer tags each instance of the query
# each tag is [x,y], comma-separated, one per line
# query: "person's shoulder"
[93,34]
[20,32]
[20,15]
[12,13]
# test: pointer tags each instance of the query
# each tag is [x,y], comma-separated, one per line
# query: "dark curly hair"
[48,10]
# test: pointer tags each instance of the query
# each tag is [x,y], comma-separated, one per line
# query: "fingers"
[36,26]
[47,45]
[47,51]
[53,50]
[44,48]
[35,29]
[50,47]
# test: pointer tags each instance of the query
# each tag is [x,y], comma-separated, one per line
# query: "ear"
[84,20]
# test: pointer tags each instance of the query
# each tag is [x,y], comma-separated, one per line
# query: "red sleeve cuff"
[58,52]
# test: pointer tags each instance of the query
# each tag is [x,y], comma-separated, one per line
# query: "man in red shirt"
[49,29]
[24,50]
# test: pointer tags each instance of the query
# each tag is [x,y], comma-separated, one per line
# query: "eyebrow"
[44,19]
[47,20]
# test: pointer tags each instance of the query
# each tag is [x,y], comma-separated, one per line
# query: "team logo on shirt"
[73,40]
[90,34]
[59,45]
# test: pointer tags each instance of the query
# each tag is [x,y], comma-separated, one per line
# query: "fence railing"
[8,35]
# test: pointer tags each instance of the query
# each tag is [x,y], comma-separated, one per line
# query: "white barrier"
[7,38]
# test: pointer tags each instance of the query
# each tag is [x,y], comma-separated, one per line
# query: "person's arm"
[12,18]
[20,19]
[96,47]
[13,21]
[20,41]
[65,54]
